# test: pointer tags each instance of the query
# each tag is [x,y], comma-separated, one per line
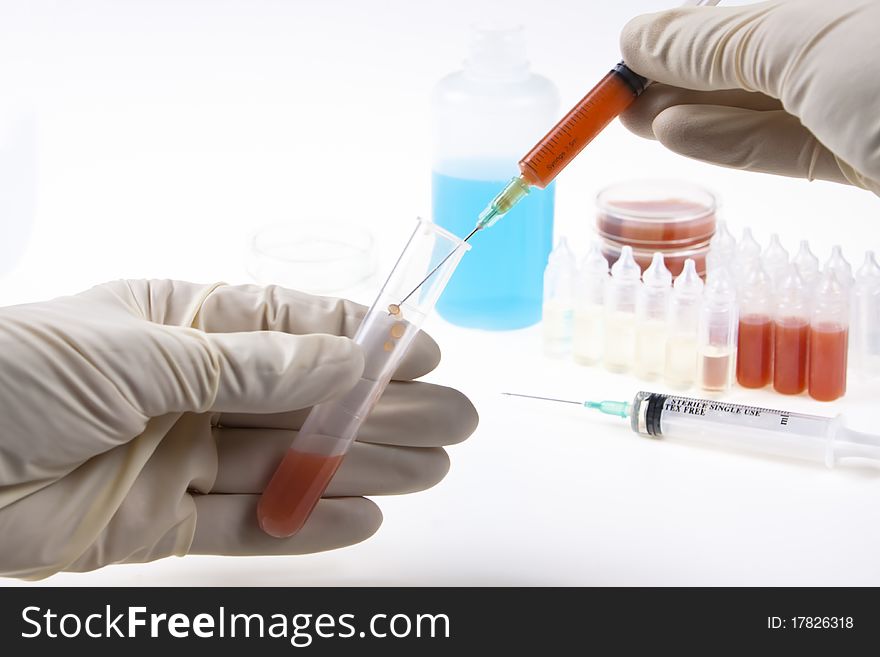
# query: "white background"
[169,130]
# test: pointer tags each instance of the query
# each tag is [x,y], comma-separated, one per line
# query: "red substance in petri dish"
[827,375]
[791,335]
[754,356]
[656,224]
[294,490]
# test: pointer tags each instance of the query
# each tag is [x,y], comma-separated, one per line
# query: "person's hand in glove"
[789,87]
[141,419]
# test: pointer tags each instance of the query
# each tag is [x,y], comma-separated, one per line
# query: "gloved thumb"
[248,372]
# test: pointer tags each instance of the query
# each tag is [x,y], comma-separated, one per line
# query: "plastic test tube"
[385,335]
[652,312]
[588,340]
[791,332]
[829,327]
[620,312]
[557,312]
[684,319]
[754,351]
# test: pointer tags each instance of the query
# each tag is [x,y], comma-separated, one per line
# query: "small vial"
[558,310]
[588,339]
[722,248]
[748,257]
[865,327]
[754,351]
[684,318]
[774,259]
[791,333]
[652,311]
[842,269]
[620,312]
[716,339]
[807,265]
[829,328]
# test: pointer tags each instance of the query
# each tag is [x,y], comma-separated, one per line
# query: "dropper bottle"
[684,318]
[829,328]
[807,265]
[722,249]
[620,312]
[790,335]
[865,330]
[589,310]
[748,256]
[839,265]
[652,311]
[558,307]
[716,340]
[754,352]
[774,259]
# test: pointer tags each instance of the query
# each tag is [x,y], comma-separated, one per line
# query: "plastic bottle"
[652,313]
[722,248]
[865,327]
[791,334]
[620,312]
[485,117]
[807,265]
[588,340]
[829,328]
[716,338]
[754,351]
[684,319]
[558,311]
[774,260]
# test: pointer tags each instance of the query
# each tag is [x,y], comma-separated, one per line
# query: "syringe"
[613,94]
[738,427]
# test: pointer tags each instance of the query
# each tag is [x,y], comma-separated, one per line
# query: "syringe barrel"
[613,94]
[736,426]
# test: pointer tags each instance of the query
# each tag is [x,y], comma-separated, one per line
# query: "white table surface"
[169,131]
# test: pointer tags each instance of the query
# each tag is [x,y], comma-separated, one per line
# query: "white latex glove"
[786,87]
[141,419]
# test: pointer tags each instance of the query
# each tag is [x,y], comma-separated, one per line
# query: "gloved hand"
[141,419]
[787,87]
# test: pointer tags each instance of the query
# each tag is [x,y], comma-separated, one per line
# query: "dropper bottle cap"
[657,275]
[720,289]
[839,265]
[626,267]
[757,293]
[594,263]
[775,259]
[560,272]
[792,301]
[831,299]
[688,281]
[868,275]
[748,248]
[806,262]
[561,255]
[723,242]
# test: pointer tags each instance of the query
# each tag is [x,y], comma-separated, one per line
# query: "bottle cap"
[689,281]
[657,275]
[626,267]
[594,263]
[869,273]
[561,256]
[838,264]
[748,248]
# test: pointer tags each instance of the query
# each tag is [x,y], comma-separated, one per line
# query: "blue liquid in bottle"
[499,284]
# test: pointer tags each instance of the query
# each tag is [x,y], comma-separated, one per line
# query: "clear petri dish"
[656,215]
[326,257]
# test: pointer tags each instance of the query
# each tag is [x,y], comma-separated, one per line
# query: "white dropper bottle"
[558,307]
[865,327]
[716,338]
[652,312]
[589,310]
[684,318]
[620,312]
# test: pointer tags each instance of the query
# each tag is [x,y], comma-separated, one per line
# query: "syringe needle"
[553,399]
[442,262]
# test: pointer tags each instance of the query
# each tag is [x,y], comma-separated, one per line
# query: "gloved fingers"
[639,117]
[411,413]
[254,308]
[769,142]
[260,371]
[227,525]
[247,458]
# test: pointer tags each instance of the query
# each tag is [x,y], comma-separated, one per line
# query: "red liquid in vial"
[828,343]
[294,490]
[790,355]
[754,356]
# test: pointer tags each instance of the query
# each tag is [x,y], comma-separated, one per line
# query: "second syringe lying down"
[738,427]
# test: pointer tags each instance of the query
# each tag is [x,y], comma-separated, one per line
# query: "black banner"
[421,621]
